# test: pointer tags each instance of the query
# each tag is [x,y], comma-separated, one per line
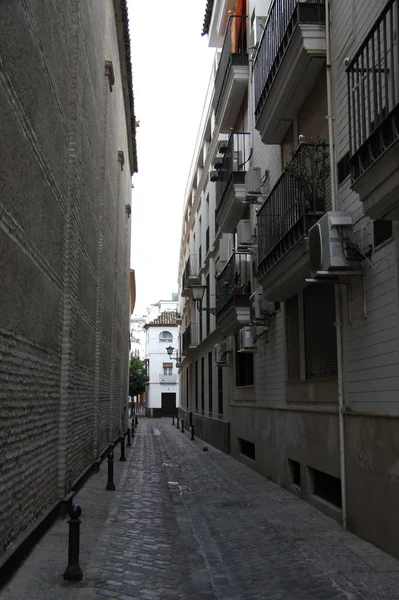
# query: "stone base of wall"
[212,431]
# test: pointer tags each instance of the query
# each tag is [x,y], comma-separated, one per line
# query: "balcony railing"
[233,285]
[280,26]
[234,52]
[234,166]
[189,337]
[190,270]
[297,202]
[171,379]
[373,92]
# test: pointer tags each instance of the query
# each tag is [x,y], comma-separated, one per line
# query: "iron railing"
[296,202]
[234,166]
[233,285]
[190,270]
[189,338]
[234,52]
[284,16]
[373,92]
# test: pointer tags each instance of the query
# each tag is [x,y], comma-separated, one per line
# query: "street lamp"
[169,350]
[197,293]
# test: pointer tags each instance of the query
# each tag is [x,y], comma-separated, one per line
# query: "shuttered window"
[292,337]
[319,330]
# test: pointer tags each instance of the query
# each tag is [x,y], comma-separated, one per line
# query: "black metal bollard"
[129,443]
[73,572]
[136,421]
[173,419]
[123,457]
[192,433]
[182,425]
[132,430]
[110,483]
[177,422]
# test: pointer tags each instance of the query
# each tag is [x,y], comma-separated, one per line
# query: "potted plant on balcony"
[309,168]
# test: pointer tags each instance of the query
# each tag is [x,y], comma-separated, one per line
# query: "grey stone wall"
[65,178]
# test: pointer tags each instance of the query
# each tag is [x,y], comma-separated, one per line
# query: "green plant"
[137,376]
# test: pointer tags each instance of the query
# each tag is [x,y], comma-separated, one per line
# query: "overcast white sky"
[171,69]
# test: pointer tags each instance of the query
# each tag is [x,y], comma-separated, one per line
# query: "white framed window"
[166,337]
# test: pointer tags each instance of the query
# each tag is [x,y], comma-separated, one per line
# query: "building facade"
[67,114]
[162,332]
[289,241]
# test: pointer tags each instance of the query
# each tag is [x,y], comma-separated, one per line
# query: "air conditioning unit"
[220,351]
[214,176]
[252,181]
[246,339]
[259,307]
[244,233]
[218,163]
[256,33]
[326,242]
[223,146]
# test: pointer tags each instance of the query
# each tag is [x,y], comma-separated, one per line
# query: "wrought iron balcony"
[279,59]
[297,202]
[190,274]
[373,100]
[189,338]
[232,74]
[233,285]
[231,181]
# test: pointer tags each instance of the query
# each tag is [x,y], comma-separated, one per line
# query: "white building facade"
[290,232]
[162,332]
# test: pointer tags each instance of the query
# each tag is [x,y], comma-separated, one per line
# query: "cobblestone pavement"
[223,533]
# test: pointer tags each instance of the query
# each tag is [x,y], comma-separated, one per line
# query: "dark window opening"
[320,333]
[247,448]
[326,487]
[187,386]
[210,391]
[343,168]
[196,386]
[294,473]
[208,304]
[202,385]
[382,231]
[292,338]
[220,391]
[244,367]
[277,306]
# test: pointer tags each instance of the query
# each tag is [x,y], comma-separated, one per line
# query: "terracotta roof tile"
[207,17]
[166,318]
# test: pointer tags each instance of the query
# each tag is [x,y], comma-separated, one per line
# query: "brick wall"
[64,250]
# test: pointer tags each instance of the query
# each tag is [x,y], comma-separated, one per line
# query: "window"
[166,337]
[292,337]
[325,486]
[220,391]
[210,391]
[320,333]
[167,368]
[343,168]
[244,367]
[187,386]
[382,231]
[208,303]
[196,386]
[310,334]
[247,448]
[202,385]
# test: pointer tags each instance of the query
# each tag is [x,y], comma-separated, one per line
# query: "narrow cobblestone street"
[224,533]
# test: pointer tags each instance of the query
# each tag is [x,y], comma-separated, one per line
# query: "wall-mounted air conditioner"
[214,176]
[256,34]
[222,146]
[252,181]
[246,339]
[220,354]
[260,308]
[218,163]
[327,242]
[244,233]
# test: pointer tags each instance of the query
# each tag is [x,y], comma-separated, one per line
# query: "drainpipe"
[338,305]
